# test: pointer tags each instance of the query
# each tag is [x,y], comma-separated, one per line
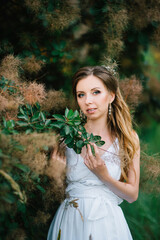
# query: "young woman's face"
[93,97]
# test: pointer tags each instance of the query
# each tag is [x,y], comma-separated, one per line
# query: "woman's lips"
[91,110]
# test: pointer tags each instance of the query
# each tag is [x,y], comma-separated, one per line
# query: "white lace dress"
[91,211]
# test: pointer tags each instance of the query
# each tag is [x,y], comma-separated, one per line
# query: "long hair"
[119,122]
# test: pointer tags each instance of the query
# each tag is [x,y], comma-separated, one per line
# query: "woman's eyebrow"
[91,89]
[95,88]
[79,92]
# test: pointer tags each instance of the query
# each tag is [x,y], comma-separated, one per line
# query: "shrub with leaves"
[26,139]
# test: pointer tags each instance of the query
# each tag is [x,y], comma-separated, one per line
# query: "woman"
[98,184]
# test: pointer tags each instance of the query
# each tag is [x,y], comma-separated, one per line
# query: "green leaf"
[92,149]
[67,129]
[76,114]
[20,147]
[77,121]
[80,144]
[10,124]
[29,107]
[21,110]
[86,142]
[41,188]
[62,132]
[38,106]
[68,140]
[71,144]
[22,167]
[70,122]
[66,112]
[43,116]
[100,143]
[91,137]
[21,207]
[29,131]
[57,124]
[59,117]
[70,114]
[45,148]
[71,135]
[54,53]
[82,129]
[84,134]
[75,131]
[96,137]
[40,127]
[22,124]
[77,150]
[48,121]
[5,88]
[35,117]
[25,117]
[4,122]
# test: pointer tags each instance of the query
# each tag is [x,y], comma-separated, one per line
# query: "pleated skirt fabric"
[89,219]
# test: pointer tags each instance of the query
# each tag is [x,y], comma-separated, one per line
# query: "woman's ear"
[112,97]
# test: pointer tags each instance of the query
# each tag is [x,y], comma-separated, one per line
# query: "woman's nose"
[88,99]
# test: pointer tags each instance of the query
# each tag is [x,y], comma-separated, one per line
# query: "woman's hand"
[56,167]
[56,156]
[95,163]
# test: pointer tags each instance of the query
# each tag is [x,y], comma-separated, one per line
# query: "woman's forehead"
[89,83]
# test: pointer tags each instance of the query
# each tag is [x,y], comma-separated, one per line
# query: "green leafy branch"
[73,132]
[7,85]
[30,118]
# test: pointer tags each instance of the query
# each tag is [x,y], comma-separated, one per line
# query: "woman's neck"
[97,127]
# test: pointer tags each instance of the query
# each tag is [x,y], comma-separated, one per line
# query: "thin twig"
[108,151]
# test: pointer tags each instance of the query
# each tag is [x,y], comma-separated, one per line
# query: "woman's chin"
[92,117]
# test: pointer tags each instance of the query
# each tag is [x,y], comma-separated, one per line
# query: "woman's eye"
[96,92]
[80,95]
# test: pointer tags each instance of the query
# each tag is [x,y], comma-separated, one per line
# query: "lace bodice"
[77,171]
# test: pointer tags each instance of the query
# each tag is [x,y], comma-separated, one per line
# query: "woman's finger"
[88,162]
[92,158]
[90,153]
[96,150]
[98,157]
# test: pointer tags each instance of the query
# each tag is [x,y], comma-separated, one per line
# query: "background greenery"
[42,44]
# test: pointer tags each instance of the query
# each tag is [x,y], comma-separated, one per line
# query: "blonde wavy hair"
[120,121]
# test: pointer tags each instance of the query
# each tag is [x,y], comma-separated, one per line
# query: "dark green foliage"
[4,85]
[73,133]
[17,197]
[30,118]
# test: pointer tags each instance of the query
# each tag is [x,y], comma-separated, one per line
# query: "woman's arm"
[128,191]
